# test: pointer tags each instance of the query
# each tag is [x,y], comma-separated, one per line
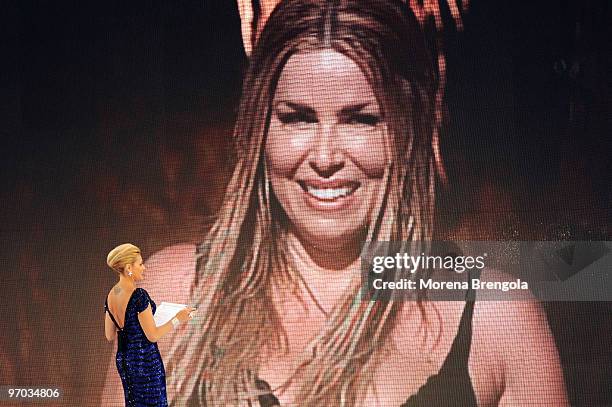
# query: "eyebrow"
[352,109]
[304,109]
[298,107]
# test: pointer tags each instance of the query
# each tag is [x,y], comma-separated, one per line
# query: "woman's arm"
[152,332]
[109,328]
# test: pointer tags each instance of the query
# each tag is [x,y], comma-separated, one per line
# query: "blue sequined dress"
[138,360]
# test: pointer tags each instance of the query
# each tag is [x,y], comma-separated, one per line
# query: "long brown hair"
[218,363]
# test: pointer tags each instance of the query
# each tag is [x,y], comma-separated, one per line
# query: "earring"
[129,273]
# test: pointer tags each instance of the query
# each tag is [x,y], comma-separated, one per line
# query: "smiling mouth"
[330,193]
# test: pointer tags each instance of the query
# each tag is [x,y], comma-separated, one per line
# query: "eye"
[295,117]
[364,118]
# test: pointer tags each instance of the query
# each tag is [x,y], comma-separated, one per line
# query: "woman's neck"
[325,257]
[126,282]
[327,275]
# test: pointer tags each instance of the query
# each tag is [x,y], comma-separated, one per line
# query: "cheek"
[285,149]
[368,152]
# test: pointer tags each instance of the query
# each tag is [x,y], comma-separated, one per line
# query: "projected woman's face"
[326,148]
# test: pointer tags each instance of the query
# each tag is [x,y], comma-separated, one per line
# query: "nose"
[325,157]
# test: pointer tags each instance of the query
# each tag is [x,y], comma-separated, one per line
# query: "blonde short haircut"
[121,256]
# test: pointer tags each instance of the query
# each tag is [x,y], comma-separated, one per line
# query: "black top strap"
[111,315]
[269,399]
[460,349]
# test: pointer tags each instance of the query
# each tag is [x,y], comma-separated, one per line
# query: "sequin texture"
[138,360]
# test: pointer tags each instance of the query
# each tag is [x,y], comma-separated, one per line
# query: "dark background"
[116,122]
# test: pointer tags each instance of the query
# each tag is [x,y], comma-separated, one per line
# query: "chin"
[337,240]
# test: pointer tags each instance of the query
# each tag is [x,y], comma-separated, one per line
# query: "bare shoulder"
[513,359]
[116,295]
[170,273]
[503,317]
[513,337]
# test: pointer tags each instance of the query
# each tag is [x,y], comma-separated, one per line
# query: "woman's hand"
[184,314]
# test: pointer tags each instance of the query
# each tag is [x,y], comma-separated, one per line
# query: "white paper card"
[166,311]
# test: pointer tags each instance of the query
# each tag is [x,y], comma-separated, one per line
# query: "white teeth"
[329,193]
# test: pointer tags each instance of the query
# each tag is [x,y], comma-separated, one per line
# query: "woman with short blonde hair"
[121,256]
[138,360]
